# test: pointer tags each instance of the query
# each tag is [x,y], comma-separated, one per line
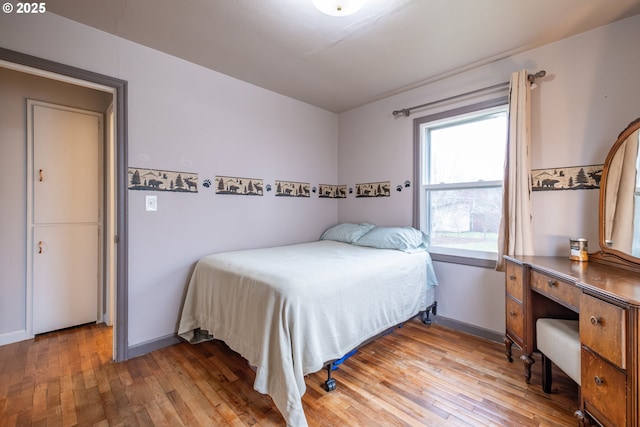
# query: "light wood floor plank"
[415,376]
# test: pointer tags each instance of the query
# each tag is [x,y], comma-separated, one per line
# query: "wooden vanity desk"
[606,300]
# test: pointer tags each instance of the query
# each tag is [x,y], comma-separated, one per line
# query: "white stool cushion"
[559,340]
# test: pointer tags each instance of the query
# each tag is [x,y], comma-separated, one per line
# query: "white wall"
[183,117]
[590,94]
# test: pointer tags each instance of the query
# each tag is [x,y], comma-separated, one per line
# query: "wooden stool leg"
[546,374]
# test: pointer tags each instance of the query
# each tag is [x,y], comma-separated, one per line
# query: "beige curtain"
[516,232]
[621,187]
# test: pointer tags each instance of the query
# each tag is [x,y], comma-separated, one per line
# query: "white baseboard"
[16,336]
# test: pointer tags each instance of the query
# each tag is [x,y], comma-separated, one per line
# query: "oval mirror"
[620,201]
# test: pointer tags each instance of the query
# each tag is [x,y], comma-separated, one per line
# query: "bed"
[292,310]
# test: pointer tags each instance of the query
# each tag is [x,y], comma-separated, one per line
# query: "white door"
[66,215]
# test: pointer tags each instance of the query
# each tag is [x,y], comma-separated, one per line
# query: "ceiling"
[339,63]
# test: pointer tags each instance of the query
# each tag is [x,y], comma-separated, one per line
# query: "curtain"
[620,191]
[516,232]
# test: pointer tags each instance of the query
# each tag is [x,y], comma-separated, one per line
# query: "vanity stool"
[558,341]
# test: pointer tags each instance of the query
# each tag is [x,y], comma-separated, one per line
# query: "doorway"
[116,243]
[65,174]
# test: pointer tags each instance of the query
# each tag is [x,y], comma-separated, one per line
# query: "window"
[461,161]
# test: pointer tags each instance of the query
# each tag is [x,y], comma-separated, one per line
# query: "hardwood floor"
[415,376]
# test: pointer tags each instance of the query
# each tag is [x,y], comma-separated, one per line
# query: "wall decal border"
[239,186]
[374,189]
[566,178]
[327,191]
[162,180]
[292,189]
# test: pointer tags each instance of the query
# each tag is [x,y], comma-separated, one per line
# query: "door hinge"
[116,239]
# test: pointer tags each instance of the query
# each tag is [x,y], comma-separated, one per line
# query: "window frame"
[456,256]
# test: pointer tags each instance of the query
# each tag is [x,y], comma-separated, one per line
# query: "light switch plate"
[151,203]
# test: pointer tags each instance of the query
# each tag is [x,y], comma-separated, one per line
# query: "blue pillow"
[406,239]
[346,232]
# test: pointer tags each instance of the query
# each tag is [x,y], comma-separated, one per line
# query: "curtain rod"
[407,111]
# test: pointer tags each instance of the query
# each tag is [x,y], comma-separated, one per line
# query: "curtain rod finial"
[540,74]
[405,112]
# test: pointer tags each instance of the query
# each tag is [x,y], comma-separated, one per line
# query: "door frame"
[57,71]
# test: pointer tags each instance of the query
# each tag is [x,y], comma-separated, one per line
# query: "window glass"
[461,190]
[466,219]
[468,151]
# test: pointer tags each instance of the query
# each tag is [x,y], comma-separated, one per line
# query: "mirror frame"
[609,255]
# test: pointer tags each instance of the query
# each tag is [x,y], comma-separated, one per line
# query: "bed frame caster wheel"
[330,384]
[425,318]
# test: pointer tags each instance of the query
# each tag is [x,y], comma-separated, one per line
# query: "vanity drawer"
[514,281]
[556,289]
[602,329]
[515,320]
[604,390]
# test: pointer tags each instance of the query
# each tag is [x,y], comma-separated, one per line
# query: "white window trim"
[456,256]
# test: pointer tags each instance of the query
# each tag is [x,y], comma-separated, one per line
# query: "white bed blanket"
[288,310]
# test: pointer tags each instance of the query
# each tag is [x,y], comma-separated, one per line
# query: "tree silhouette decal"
[581,177]
[135,180]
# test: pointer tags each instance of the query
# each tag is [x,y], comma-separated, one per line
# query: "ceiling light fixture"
[338,7]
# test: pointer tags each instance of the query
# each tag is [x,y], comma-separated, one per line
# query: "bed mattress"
[290,309]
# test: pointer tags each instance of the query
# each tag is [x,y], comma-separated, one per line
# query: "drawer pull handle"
[594,320]
[512,277]
[599,381]
[512,313]
[552,283]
